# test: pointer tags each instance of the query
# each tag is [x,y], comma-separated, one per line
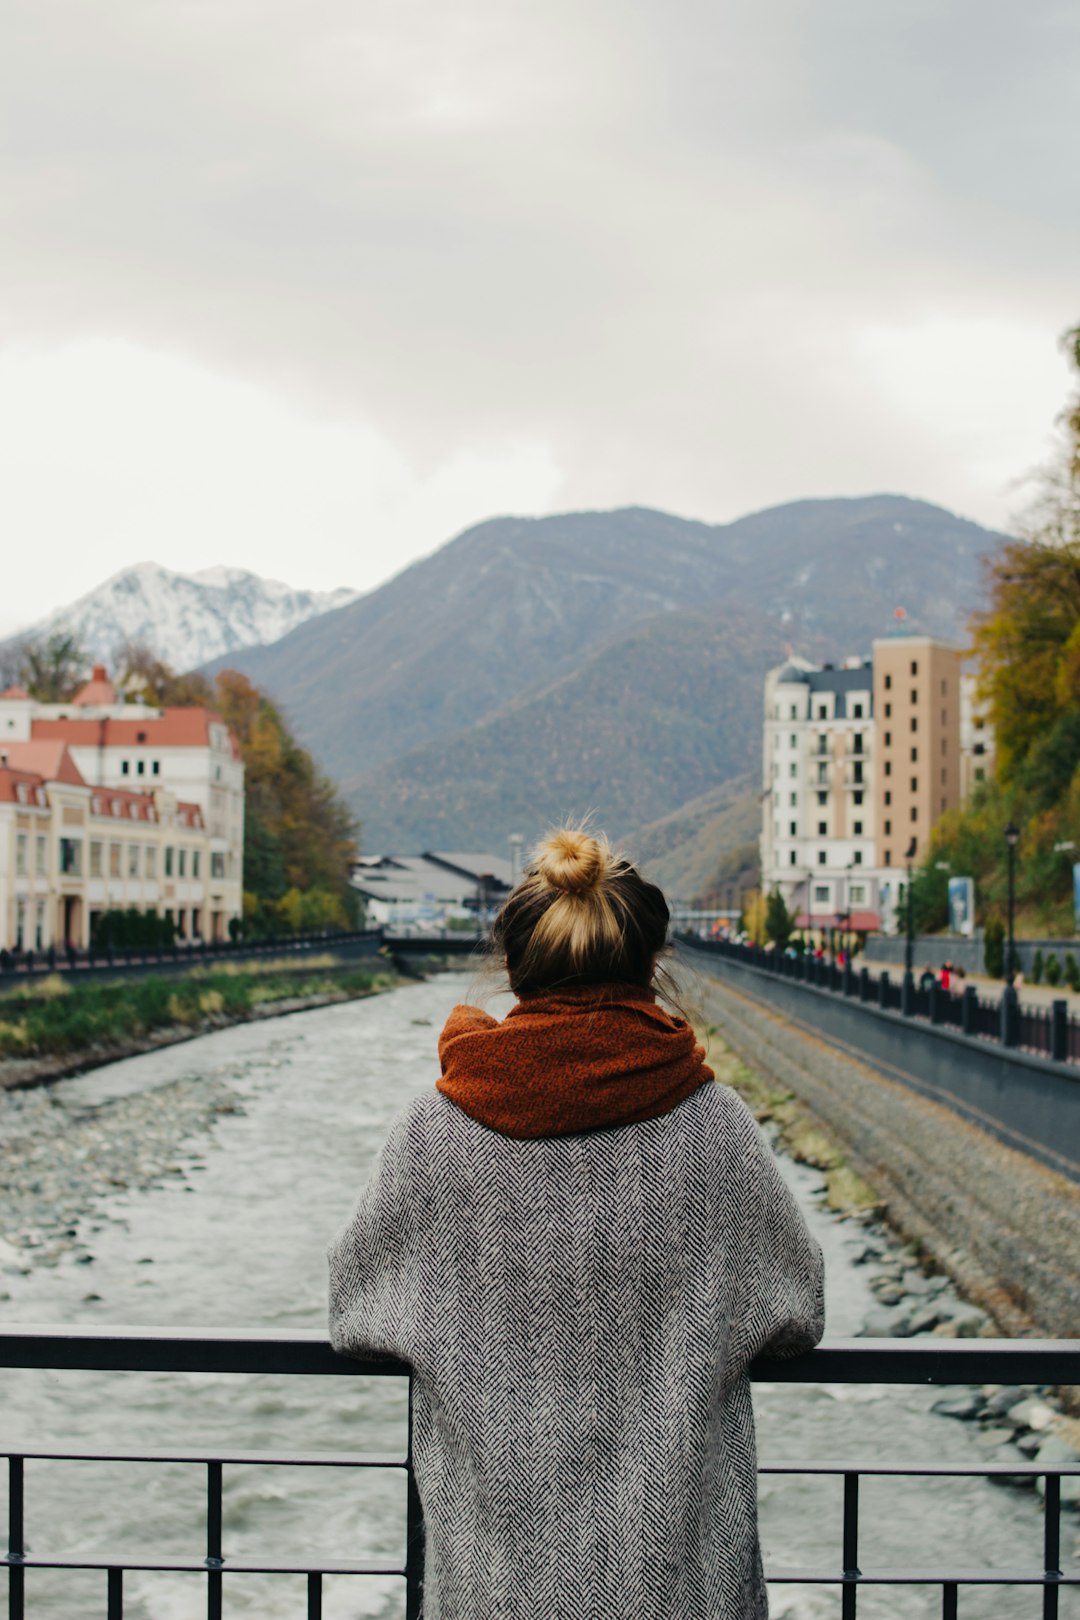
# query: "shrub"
[1053,970]
[994,948]
[1037,967]
[1072,972]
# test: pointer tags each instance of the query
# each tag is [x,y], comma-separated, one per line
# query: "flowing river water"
[234,1236]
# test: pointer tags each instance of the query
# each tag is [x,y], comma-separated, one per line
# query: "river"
[233,1235]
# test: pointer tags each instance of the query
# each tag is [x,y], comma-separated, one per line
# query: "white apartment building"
[860,759]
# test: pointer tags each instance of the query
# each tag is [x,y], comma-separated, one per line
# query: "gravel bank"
[1003,1228]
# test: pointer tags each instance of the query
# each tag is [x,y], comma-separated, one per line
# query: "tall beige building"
[917,720]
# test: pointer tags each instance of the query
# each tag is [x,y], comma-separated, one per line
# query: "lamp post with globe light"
[1009,1006]
[907,1005]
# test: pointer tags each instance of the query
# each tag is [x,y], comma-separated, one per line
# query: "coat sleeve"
[375,1261]
[780,1275]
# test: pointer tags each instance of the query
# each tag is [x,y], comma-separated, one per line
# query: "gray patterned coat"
[580,1312]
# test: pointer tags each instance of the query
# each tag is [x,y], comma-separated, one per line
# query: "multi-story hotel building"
[108,805]
[860,761]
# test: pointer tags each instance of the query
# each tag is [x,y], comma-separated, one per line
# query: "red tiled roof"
[123,803]
[98,689]
[10,781]
[44,757]
[190,814]
[14,694]
[174,728]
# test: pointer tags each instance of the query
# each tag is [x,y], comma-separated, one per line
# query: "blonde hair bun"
[571,860]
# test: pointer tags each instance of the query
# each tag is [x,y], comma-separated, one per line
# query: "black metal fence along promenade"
[848,1362]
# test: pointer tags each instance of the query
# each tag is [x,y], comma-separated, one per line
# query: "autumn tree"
[51,668]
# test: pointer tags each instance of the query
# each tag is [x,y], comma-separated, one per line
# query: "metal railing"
[1022,1361]
[20,969]
[1047,1032]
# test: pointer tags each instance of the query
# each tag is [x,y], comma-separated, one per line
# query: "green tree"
[53,669]
[779,921]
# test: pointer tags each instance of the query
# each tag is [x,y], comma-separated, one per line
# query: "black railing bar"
[922,1577]
[1033,1470]
[146,1563]
[116,1594]
[301,1352]
[1052,1546]
[283,1459]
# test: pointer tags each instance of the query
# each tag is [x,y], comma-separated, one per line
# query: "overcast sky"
[307,288]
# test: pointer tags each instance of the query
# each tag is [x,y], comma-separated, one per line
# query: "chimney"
[100,673]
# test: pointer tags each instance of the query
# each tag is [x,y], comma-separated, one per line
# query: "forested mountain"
[612,661]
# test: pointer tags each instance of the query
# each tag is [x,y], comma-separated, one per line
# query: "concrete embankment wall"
[1002,1225]
[888,950]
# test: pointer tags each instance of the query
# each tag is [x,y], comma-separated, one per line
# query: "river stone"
[888,1291]
[881,1324]
[928,1316]
[1031,1414]
[916,1282]
[1055,1451]
[964,1406]
[968,1323]
[1029,1443]
[1005,1398]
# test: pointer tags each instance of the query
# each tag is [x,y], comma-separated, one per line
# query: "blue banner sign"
[961,905]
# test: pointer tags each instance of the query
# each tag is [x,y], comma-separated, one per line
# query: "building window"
[888,739]
[857,711]
[914,812]
[793,768]
[888,711]
[793,831]
[823,829]
[22,841]
[791,858]
[980,748]
[794,711]
[914,697]
[944,687]
[858,829]
[888,683]
[168,860]
[181,863]
[133,860]
[20,925]
[888,796]
[195,861]
[822,893]
[823,798]
[794,741]
[124,767]
[858,795]
[823,711]
[793,799]
[42,853]
[914,756]
[857,894]
[857,857]
[217,864]
[943,806]
[822,773]
[95,859]
[114,860]
[858,742]
[888,767]
[821,858]
[944,747]
[914,722]
[39,926]
[822,743]
[71,857]
[914,667]
[150,861]
[155,768]
[944,776]
[888,857]
[888,829]
[140,768]
[914,784]
[944,718]
[980,773]
[857,770]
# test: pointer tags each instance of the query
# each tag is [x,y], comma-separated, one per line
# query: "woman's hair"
[581,914]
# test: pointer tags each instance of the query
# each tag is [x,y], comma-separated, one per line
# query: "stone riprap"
[1002,1227]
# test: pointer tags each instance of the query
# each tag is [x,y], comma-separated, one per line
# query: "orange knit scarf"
[570,1060]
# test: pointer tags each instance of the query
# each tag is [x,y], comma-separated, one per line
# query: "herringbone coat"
[580,1312]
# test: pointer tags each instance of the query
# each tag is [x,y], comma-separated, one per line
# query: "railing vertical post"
[1051,1545]
[1059,1031]
[116,1594]
[213,1541]
[314,1597]
[414,1532]
[948,1601]
[16,1538]
[969,1010]
[851,1547]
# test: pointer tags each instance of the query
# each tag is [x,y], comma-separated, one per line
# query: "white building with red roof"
[144,807]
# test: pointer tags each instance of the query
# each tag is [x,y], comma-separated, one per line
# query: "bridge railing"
[843,1362]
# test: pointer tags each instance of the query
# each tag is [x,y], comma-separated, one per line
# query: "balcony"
[852,1362]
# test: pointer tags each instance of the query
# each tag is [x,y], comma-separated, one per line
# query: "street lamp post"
[1009,1005]
[907,1006]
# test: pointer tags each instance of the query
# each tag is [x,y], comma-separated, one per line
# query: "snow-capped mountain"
[187,619]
